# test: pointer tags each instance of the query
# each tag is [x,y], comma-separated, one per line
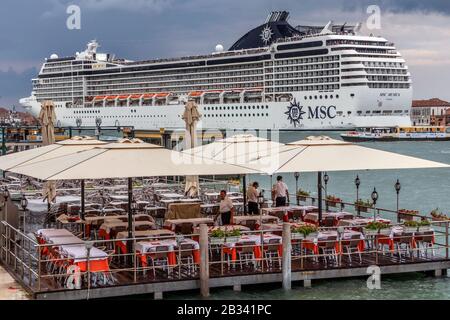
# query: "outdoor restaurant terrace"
[117,230]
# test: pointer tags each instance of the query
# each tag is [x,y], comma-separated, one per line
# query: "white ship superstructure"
[274,77]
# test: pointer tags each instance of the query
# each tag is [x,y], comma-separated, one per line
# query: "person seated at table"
[280,193]
[252,198]
[226,209]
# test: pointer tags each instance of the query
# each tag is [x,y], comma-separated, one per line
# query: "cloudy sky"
[141,29]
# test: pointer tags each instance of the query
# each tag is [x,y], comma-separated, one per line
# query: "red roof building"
[424,111]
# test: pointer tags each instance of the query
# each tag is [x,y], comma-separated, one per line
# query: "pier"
[44,277]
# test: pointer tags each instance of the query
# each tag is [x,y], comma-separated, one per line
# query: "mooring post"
[286,265]
[204,261]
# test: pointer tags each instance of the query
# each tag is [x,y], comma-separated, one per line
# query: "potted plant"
[302,232]
[217,237]
[332,201]
[376,227]
[232,235]
[302,195]
[410,226]
[406,214]
[437,215]
[220,236]
[424,225]
[363,205]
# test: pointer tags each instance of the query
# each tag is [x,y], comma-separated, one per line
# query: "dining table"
[293,212]
[108,229]
[171,224]
[148,248]
[231,247]
[313,217]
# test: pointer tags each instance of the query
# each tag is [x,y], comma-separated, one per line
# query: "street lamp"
[357,183]
[24,205]
[296,175]
[374,197]
[326,178]
[397,187]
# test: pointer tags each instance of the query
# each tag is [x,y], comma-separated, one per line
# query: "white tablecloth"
[79,253]
[256,238]
[150,246]
[49,233]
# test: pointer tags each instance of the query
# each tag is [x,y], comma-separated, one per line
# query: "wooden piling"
[204,261]
[286,265]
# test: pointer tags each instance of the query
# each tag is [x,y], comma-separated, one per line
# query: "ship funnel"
[276,16]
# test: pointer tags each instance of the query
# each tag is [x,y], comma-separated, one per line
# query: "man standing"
[280,193]
[226,209]
[252,198]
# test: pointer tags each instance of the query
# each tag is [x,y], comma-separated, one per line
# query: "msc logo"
[295,112]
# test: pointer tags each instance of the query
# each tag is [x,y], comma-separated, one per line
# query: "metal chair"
[184,228]
[271,253]
[404,239]
[425,240]
[352,246]
[328,247]
[160,257]
[328,221]
[186,257]
[245,253]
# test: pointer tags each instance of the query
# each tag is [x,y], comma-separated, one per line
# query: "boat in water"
[275,77]
[413,133]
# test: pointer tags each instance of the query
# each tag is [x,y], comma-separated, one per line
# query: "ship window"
[320,97]
[337,96]
[326,96]
[352,95]
[306,98]
[315,97]
[331,96]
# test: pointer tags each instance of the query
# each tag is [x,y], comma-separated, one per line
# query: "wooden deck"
[222,276]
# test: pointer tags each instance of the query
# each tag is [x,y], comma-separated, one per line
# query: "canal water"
[423,190]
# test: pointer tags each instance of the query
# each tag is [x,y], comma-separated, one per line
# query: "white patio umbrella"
[239,150]
[322,153]
[58,149]
[191,116]
[47,119]
[126,159]
[318,154]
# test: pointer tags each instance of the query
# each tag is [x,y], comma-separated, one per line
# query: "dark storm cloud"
[402,6]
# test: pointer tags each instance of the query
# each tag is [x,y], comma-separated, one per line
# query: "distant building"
[425,112]
[441,120]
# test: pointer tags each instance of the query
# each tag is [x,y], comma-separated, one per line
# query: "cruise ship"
[275,77]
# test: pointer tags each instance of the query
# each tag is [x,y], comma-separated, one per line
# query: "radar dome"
[219,48]
[54,56]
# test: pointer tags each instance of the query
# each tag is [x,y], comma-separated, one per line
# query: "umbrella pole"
[82,200]
[319,196]
[130,217]
[244,192]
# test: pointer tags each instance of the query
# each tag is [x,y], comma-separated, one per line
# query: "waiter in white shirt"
[226,209]
[280,193]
